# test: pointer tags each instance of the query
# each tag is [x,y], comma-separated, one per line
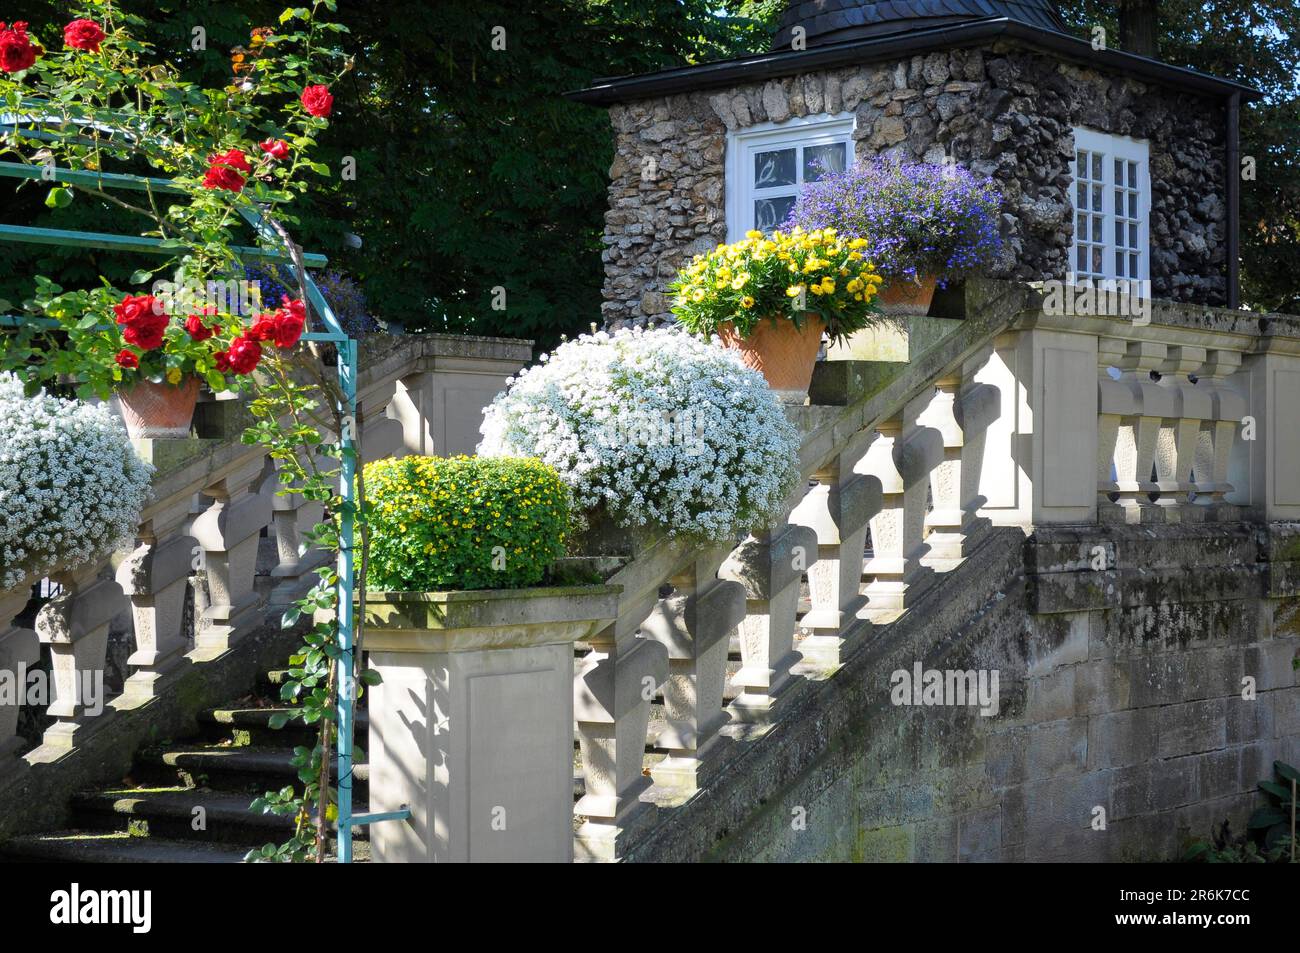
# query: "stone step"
[254,769]
[253,725]
[117,848]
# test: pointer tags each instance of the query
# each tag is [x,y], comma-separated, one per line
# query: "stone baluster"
[19,648]
[382,433]
[1176,443]
[155,579]
[74,624]
[770,564]
[694,624]
[228,531]
[885,571]
[1115,401]
[978,409]
[946,525]
[1215,438]
[838,509]
[411,407]
[1136,444]
[612,693]
[292,518]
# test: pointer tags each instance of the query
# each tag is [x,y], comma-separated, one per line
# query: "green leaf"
[140,277]
[279,719]
[1265,817]
[59,198]
[1286,772]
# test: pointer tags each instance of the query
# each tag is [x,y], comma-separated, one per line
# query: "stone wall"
[1003,112]
[1121,692]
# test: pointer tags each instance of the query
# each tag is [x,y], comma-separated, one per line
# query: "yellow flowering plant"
[463,522]
[790,275]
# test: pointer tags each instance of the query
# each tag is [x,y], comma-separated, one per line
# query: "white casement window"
[768,164]
[1112,207]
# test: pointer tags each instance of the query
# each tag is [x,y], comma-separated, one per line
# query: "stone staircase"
[189,801]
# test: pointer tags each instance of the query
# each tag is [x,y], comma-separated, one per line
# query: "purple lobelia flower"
[919,219]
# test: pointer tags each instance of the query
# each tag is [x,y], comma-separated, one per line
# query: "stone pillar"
[770,565]
[1176,443]
[471,728]
[694,624]
[838,509]
[19,648]
[228,531]
[1214,441]
[613,688]
[1136,445]
[155,578]
[1115,401]
[74,624]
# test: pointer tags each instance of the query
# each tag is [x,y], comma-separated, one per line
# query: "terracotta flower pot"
[782,353]
[153,410]
[902,297]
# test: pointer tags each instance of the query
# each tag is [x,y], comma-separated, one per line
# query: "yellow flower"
[173,375]
[697,295]
[747,302]
[794,291]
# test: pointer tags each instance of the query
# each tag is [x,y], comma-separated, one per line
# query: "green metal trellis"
[346,348]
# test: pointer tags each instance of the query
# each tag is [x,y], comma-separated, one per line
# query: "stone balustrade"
[1017,417]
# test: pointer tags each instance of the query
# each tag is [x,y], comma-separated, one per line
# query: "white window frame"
[1112,148]
[799,132]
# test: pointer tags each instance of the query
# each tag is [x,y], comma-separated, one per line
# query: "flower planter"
[902,297]
[472,725]
[152,411]
[781,352]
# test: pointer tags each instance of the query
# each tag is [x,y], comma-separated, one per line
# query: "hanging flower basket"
[906,297]
[783,353]
[155,411]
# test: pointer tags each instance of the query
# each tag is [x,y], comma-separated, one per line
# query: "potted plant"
[470,630]
[924,225]
[772,299]
[654,429]
[154,351]
[71,486]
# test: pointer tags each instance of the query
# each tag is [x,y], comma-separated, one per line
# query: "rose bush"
[657,427]
[71,487]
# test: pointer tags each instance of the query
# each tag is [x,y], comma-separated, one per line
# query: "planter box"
[472,727]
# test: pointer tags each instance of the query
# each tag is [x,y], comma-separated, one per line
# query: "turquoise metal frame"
[346,348]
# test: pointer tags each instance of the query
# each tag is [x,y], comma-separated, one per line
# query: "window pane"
[1096,166]
[1119,233]
[1081,228]
[770,213]
[1082,259]
[820,160]
[1132,205]
[1081,196]
[1132,175]
[1119,264]
[1081,164]
[1097,234]
[773,168]
[1133,266]
[1096,260]
[1132,235]
[1096,198]
[1119,171]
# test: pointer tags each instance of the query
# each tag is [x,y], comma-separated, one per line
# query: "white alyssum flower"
[71,486]
[661,428]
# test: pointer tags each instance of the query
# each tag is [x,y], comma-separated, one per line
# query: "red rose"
[128,359]
[275,148]
[224,171]
[17,51]
[222,361]
[197,329]
[243,355]
[144,320]
[288,328]
[263,329]
[317,100]
[83,35]
[296,307]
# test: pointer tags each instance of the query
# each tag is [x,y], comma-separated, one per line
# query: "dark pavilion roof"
[909,36]
[833,21]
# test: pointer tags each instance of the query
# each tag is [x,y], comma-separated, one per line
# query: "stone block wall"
[1122,731]
[1002,111]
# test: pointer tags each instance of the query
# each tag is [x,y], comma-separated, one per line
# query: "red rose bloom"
[263,329]
[275,148]
[243,355]
[143,320]
[296,307]
[128,359]
[222,360]
[224,171]
[197,329]
[317,100]
[288,328]
[17,51]
[83,35]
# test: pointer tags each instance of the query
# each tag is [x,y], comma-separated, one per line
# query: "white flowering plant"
[71,486]
[657,427]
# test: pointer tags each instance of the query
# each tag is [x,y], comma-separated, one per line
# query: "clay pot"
[782,353]
[902,297]
[154,411]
